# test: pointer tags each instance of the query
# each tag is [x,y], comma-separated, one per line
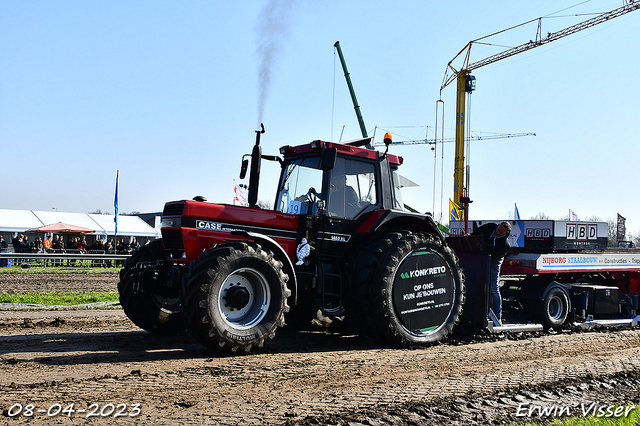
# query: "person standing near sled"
[496,236]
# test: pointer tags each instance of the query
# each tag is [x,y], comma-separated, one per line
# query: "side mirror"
[328,161]
[244,167]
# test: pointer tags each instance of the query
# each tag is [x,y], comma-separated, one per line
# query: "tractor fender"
[278,251]
[394,220]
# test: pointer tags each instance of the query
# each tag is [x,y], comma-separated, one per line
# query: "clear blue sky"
[169,93]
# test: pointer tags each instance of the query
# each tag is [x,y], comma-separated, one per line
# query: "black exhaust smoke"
[272,30]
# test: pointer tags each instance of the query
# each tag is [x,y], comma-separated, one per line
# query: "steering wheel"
[312,195]
[352,209]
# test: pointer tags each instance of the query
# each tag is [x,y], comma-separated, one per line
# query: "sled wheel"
[235,296]
[149,310]
[555,307]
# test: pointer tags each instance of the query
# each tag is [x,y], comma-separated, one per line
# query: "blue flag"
[517,213]
[115,202]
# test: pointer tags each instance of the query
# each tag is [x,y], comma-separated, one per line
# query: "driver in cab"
[343,199]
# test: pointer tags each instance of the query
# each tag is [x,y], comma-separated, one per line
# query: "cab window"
[396,181]
[352,188]
[301,182]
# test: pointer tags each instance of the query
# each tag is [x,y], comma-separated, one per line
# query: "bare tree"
[541,216]
[612,226]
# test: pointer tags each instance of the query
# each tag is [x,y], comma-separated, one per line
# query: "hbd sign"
[581,235]
[582,231]
[537,232]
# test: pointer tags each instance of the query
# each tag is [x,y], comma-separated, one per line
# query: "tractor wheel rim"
[244,298]
[171,304]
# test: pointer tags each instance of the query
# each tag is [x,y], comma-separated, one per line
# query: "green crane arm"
[363,129]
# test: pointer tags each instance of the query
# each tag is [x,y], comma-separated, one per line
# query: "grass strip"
[59,298]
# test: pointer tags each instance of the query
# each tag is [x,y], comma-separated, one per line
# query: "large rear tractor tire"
[406,289]
[152,310]
[234,297]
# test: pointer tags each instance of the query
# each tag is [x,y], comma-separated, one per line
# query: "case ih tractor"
[339,242]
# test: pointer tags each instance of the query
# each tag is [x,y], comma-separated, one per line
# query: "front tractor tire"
[234,297]
[151,305]
[407,289]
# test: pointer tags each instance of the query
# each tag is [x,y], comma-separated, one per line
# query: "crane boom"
[531,44]
[463,77]
[450,140]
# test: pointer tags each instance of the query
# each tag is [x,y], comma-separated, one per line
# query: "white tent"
[20,220]
[127,225]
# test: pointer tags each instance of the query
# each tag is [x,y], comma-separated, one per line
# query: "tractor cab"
[340,181]
[335,189]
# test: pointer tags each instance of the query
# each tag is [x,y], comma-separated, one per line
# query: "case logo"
[212,226]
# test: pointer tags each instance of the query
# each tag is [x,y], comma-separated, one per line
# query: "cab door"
[352,190]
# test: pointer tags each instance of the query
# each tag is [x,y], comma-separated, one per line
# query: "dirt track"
[99,357]
[45,282]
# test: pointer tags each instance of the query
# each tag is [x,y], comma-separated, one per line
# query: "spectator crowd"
[55,244]
[74,245]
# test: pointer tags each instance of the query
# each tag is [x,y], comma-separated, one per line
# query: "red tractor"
[339,243]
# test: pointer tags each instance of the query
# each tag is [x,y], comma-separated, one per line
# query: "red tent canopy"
[61,228]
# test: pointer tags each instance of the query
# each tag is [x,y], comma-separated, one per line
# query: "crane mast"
[459,188]
[466,82]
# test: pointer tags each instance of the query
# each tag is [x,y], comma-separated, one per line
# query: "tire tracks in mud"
[304,378]
[98,357]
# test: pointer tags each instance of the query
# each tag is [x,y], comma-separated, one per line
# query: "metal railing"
[89,259]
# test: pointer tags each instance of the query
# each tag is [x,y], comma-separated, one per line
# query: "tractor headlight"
[172,222]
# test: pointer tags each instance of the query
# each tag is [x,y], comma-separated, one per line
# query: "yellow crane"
[466,82]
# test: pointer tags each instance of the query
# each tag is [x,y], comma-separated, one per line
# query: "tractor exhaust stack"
[254,176]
